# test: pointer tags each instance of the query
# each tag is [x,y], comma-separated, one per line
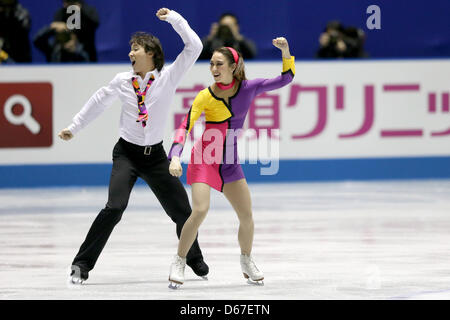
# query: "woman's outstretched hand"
[175,168]
[162,13]
[282,44]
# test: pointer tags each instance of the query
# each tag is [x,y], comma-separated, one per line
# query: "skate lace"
[252,266]
[179,265]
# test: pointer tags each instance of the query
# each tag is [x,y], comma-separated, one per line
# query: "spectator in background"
[226,33]
[60,44]
[4,57]
[340,42]
[89,23]
[14,32]
[355,39]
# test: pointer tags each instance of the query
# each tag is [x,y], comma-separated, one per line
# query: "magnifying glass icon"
[25,118]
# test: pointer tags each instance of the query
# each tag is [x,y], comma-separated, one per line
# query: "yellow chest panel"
[216,110]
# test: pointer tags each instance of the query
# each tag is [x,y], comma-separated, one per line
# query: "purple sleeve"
[176,150]
[263,85]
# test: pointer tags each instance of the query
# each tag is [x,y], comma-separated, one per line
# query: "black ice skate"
[77,275]
[200,268]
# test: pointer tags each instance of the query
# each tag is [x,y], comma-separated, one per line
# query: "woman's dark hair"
[239,72]
[150,43]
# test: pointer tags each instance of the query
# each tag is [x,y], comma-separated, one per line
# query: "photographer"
[60,44]
[226,33]
[354,39]
[339,42]
[14,32]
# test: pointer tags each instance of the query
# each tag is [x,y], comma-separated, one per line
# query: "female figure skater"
[146,93]
[226,104]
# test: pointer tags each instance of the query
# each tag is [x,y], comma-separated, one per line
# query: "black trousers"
[129,163]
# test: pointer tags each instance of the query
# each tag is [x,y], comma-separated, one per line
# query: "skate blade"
[259,282]
[74,282]
[256,283]
[204,278]
[174,285]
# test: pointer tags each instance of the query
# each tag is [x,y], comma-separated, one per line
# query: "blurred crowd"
[56,41]
[59,43]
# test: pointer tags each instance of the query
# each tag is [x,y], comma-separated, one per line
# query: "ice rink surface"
[343,240]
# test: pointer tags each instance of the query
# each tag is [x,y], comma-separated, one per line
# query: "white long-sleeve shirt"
[159,96]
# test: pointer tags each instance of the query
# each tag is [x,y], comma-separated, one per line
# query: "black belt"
[146,150]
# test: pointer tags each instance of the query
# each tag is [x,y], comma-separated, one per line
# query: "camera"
[224,33]
[62,37]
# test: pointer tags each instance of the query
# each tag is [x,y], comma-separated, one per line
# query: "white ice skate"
[176,276]
[250,271]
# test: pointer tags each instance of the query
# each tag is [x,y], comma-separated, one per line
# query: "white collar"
[155,73]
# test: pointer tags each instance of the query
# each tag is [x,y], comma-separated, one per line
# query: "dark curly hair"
[150,43]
